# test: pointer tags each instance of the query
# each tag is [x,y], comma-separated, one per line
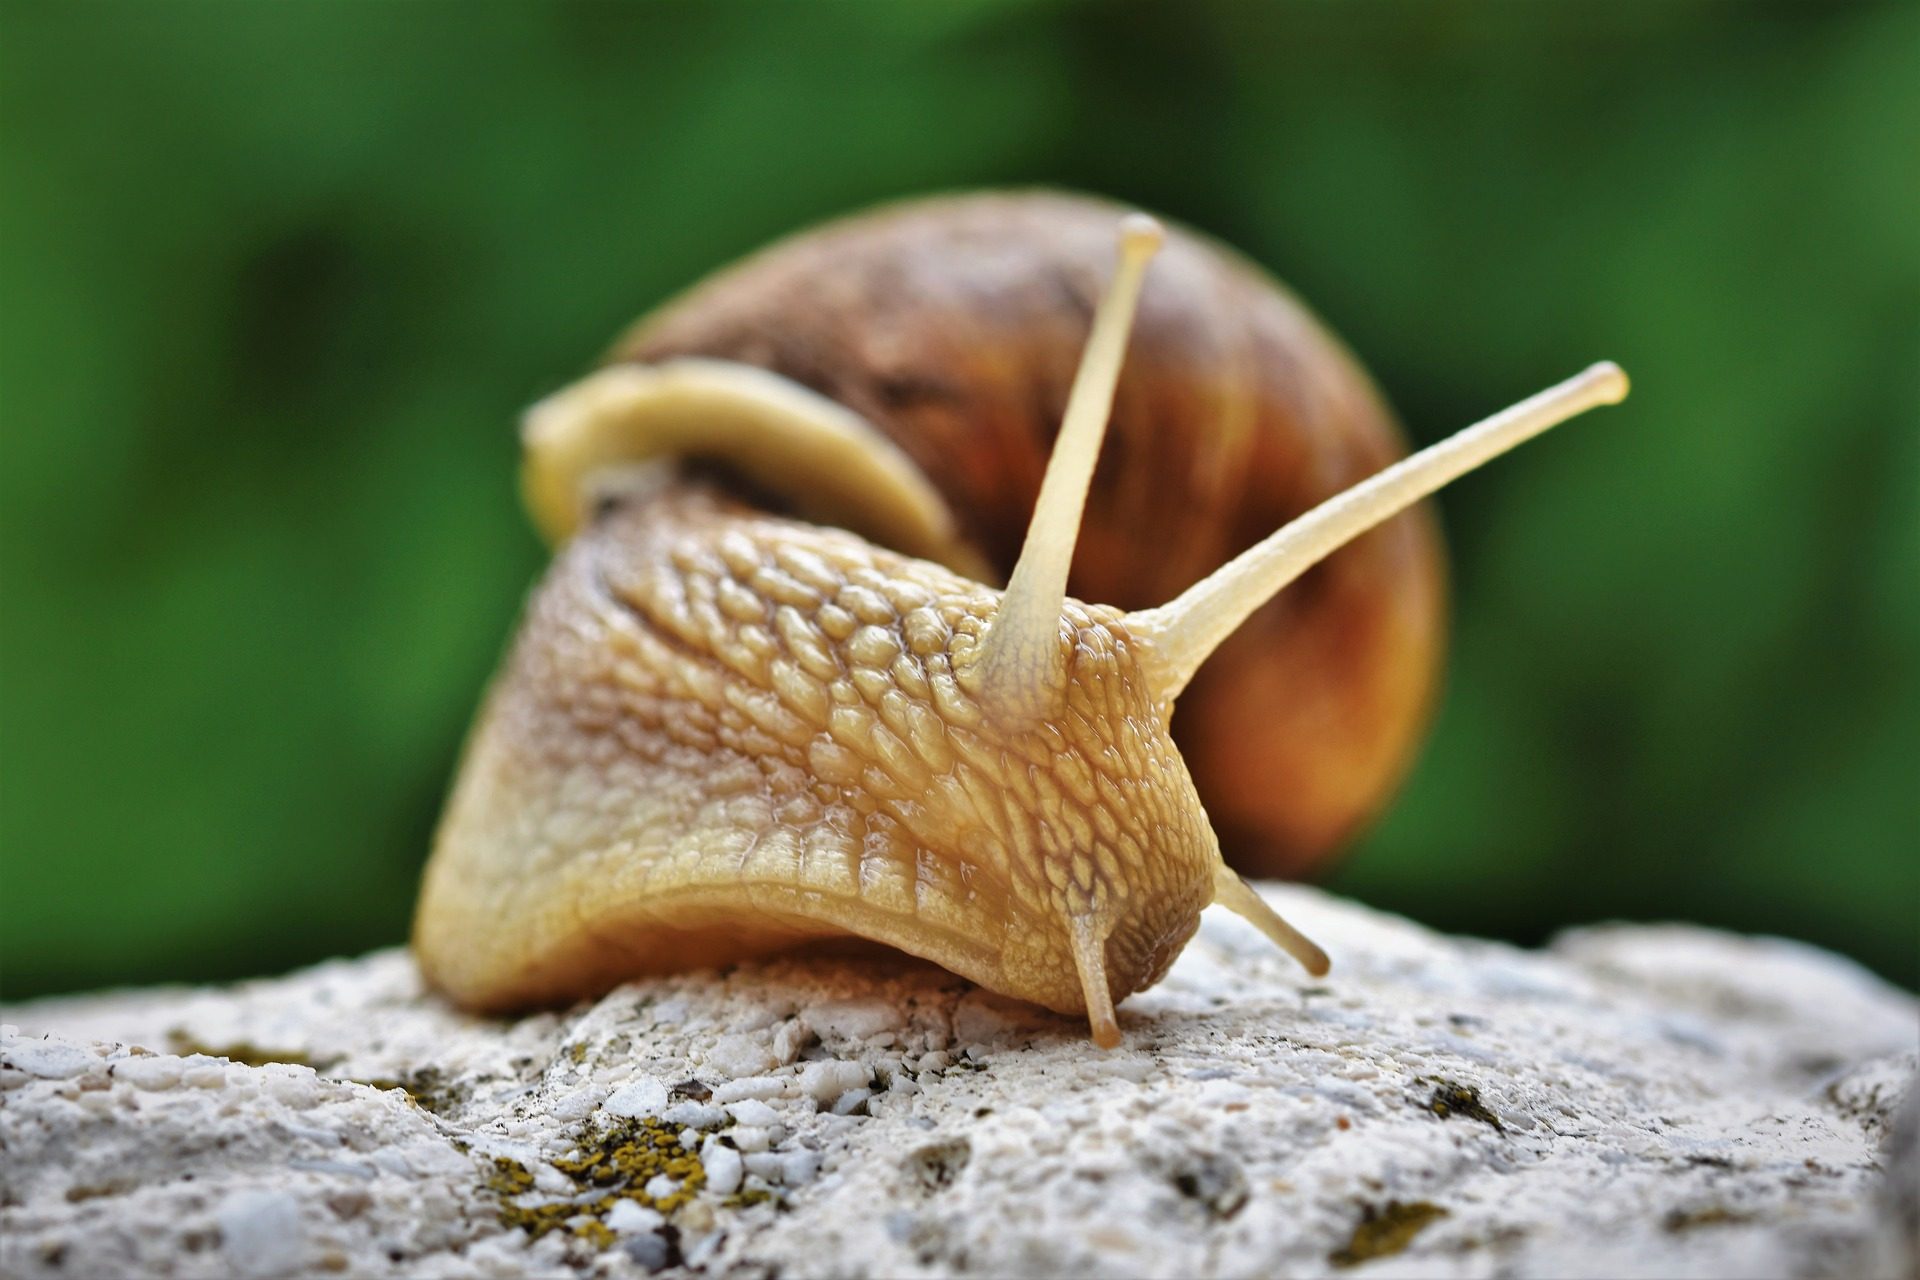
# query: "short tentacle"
[1237,896]
[1090,958]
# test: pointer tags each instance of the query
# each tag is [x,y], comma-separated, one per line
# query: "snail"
[770,690]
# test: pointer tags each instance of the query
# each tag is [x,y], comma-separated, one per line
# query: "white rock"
[751,1087]
[151,1073]
[296,1088]
[47,1059]
[753,1112]
[201,1072]
[695,1115]
[853,1019]
[983,1017]
[769,1166]
[649,1251]
[825,1081]
[580,1103]
[724,1168]
[629,1216]
[749,1137]
[788,1039]
[739,1055]
[1645,1102]
[261,1232]
[800,1168]
[639,1097]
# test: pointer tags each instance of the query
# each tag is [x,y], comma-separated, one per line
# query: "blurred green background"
[275,281]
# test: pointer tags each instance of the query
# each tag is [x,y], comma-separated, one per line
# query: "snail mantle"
[1630,1101]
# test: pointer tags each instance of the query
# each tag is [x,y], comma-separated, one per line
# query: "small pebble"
[789,1039]
[201,1072]
[649,1251]
[770,1165]
[48,1059]
[752,1111]
[575,1106]
[853,1102]
[297,1088]
[737,1055]
[630,1216]
[693,1115]
[549,1179]
[853,1019]
[152,1074]
[639,1097]
[824,1081]
[748,1137]
[261,1232]
[724,1167]
[801,1168]
[660,1186]
[751,1087]
[981,1016]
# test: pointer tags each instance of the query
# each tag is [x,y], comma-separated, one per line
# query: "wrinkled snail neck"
[842,470]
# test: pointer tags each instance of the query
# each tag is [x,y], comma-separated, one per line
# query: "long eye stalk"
[1185,631]
[1020,664]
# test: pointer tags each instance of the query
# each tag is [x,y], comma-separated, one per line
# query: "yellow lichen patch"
[1450,1099]
[1383,1232]
[509,1177]
[630,1155]
[619,1162]
[426,1088]
[244,1052]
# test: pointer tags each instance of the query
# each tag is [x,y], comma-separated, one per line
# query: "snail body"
[724,730]
[765,720]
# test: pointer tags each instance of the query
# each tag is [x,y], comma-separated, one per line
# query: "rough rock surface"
[1629,1102]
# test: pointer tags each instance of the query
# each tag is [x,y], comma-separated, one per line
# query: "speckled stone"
[1630,1101]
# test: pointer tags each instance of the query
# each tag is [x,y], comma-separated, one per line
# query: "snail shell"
[723,729]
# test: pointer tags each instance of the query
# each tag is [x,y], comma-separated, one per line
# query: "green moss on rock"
[1385,1231]
[1450,1099]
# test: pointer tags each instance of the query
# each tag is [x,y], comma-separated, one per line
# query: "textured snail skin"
[719,733]
[954,325]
